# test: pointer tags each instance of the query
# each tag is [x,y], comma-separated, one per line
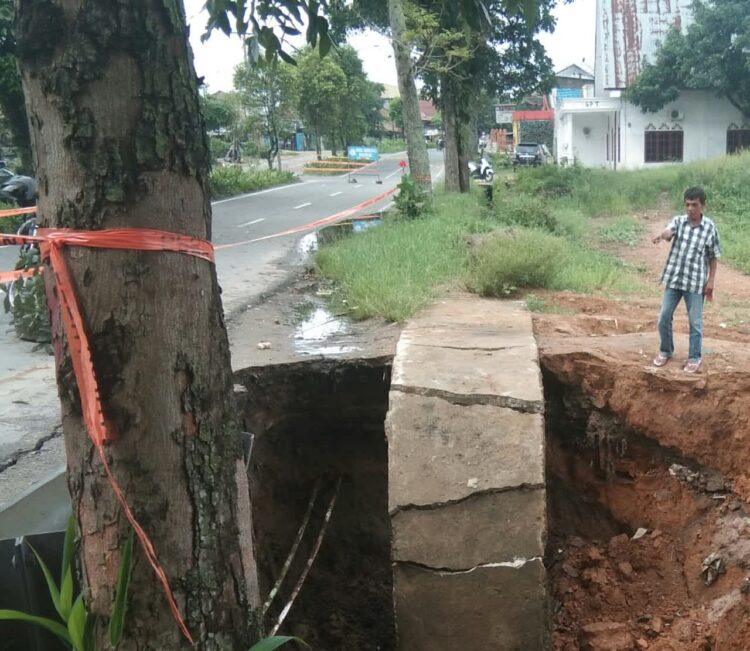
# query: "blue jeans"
[694,304]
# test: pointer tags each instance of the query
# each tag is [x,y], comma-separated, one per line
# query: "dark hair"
[691,194]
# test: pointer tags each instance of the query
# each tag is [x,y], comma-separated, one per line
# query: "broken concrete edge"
[39,509]
[14,457]
[459,500]
[468,400]
[323,363]
[517,563]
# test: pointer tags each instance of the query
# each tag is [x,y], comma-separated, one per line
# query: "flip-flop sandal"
[692,367]
[660,360]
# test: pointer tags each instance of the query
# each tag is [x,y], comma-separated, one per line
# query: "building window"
[737,139]
[663,146]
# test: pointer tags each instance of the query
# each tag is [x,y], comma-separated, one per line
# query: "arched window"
[738,138]
[663,145]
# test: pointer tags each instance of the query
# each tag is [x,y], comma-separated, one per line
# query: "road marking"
[252,194]
[392,174]
[318,223]
[359,185]
[255,221]
[302,205]
[335,194]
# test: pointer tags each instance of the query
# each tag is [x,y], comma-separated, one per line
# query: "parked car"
[531,153]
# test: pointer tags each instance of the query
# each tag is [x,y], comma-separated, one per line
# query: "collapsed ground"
[655,454]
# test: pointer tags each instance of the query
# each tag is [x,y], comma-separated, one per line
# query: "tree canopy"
[713,53]
[12,106]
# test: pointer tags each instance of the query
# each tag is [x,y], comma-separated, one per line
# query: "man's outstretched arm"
[666,234]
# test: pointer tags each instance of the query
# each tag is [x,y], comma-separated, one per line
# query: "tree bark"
[450,126]
[457,139]
[419,163]
[118,141]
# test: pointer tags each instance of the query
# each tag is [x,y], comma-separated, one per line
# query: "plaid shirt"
[693,247]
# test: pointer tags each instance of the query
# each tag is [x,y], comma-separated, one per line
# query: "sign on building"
[503,115]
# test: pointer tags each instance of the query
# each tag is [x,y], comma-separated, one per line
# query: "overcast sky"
[572,42]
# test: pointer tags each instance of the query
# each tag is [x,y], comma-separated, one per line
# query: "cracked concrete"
[466,479]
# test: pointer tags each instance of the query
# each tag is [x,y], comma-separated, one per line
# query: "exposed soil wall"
[615,587]
[321,421]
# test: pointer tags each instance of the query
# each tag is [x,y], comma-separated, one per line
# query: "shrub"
[525,210]
[411,201]
[508,260]
[232,180]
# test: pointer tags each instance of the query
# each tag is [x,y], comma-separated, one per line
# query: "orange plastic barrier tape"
[12,212]
[12,276]
[316,224]
[51,242]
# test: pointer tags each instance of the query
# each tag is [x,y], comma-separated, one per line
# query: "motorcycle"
[19,189]
[481,169]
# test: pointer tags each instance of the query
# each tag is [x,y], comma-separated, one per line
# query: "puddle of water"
[318,325]
[308,244]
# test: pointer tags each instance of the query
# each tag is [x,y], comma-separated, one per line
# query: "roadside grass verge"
[232,180]
[543,231]
[395,269]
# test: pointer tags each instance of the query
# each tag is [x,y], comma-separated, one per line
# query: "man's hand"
[666,234]
[708,292]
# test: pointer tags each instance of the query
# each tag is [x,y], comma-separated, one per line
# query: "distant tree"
[268,91]
[220,113]
[12,106]
[465,56]
[361,99]
[712,54]
[320,87]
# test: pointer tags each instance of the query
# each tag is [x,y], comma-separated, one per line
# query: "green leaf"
[66,594]
[67,557]
[77,624]
[271,643]
[117,621]
[89,640]
[52,588]
[51,625]
[285,57]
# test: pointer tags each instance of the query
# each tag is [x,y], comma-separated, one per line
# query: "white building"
[601,129]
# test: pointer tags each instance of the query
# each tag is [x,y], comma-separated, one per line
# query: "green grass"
[623,230]
[232,180]
[395,269]
[543,231]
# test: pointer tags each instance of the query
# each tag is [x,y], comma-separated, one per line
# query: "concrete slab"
[441,452]
[478,374]
[485,528]
[501,608]
[466,479]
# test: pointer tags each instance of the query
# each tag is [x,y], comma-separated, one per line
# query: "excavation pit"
[314,424]
[632,530]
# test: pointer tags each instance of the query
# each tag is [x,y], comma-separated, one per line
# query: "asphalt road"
[247,270]
[29,408]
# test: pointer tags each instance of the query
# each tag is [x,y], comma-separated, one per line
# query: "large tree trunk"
[450,127]
[118,140]
[456,140]
[419,163]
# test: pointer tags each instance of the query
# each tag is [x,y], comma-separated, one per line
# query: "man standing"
[689,274]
